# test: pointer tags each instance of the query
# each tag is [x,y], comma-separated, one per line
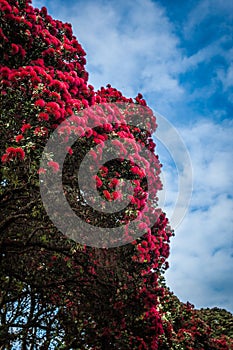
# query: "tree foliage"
[57,293]
[188,328]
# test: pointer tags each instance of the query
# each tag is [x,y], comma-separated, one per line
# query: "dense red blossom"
[13,153]
[40,103]
[53,165]
[25,127]
[18,138]
[107,195]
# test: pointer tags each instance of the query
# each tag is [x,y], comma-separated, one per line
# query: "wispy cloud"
[226,76]
[208,42]
[203,10]
[202,252]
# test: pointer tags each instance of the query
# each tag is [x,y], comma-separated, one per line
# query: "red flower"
[107,195]
[20,152]
[104,171]
[52,107]
[116,195]
[89,133]
[44,10]
[22,51]
[43,116]
[18,138]
[65,130]
[69,150]
[108,127]
[40,103]
[137,171]
[15,49]
[96,140]
[12,153]
[114,182]
[40,131]
[99,183]
[4,158]
[124,134]
[25,127]
[56,115]
[54,165]
[93,154]
[5,71]
[142,226]
[6,7]
[41,171]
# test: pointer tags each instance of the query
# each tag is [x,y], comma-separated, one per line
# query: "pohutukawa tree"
[62,291]
[58,292]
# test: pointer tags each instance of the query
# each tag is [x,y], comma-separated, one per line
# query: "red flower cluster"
[12,154]
[111,196]
[54,166]
[25,127]
[18,138]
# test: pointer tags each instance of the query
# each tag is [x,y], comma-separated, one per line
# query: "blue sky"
[179,55]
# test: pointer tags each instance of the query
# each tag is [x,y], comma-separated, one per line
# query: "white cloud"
[210,19]
[202,256]
[204,55]
[202,251]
